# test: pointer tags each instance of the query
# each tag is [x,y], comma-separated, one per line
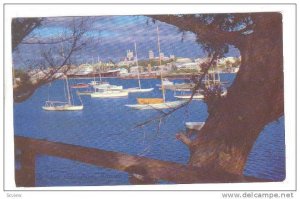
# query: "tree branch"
[205,32]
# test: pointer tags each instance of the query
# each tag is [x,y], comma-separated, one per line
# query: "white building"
[189,66]
[151,54]
[84,69]
[164,68]
[225,60]
[202,60]
[126,63]
[129,55]
[136,69]
[161,55]
[183,60]
[123,71]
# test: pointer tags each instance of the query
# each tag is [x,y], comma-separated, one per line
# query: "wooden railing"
[141,170]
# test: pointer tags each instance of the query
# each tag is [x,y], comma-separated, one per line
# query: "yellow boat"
[150,100]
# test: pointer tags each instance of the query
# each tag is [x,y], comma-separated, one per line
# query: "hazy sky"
[111,36]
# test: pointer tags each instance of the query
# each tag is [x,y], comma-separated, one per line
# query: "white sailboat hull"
[63,108]
[110,87]
[84,92]
[197,96]
[109,94]
[165,82]
[165,105]
[194,125]
[138,90]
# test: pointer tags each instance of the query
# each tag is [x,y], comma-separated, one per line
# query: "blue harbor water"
[108,124]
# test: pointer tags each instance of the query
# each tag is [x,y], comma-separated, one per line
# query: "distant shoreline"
[170,76]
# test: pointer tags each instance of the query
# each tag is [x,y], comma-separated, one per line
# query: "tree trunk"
[254,100]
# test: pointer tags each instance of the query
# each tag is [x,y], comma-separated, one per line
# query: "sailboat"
[138,89]
[106,90]
[63,106]
[109,94]
[98,86]
[165,82]
[196,96]
[104,85]
[156,103]
[100,82]
[107,86]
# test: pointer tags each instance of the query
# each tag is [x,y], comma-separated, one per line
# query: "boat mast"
[94,73]
[99,68]
[66,76]
[162,88]
[158,43]
[162,85]
[137,65]
[68,90]
[100,75]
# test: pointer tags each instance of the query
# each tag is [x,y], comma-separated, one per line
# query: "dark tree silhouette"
[56,57]
[256,96]
[21,28]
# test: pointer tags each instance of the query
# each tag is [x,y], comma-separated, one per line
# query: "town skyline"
[113,36]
